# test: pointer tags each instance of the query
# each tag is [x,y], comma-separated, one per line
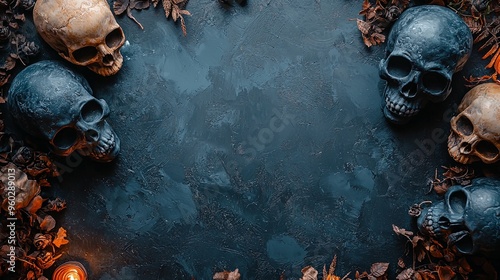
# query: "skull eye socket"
[92,111]
[464,125]
[114,38]
[65,138]
[487,149]
[434,82]
[85,54]
[465,244]
[457,201]
[398,66]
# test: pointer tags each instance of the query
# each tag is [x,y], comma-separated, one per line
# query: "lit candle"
[70,271]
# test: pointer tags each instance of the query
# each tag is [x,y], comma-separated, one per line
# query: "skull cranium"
[475,131]
[426,45]
[51,102]
[467,219]
[83,32]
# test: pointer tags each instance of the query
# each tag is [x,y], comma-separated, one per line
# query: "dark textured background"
[190,195]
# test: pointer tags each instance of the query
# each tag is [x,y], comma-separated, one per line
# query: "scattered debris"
[173,8]
[435,261]
[457,175]
[227,275]
[13,43]
[23,174]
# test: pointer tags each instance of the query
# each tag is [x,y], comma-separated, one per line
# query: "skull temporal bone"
[475,131]
[51,102]
[83,32]
[425,47]
[468,218]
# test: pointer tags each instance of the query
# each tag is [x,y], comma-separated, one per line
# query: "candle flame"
[73,276]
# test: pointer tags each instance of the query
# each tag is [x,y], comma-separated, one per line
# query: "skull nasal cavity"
[409,90]
[108,60]
[65,138]
[398,66]
[92,135]
[464,125]
[465,148]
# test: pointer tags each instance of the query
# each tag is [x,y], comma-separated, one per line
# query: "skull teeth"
[429,225]
[105,146]
[400,109]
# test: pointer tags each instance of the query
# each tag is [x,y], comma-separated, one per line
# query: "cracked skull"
[83,32]
[468,218]
[475,131]
[51,102]
[425,47]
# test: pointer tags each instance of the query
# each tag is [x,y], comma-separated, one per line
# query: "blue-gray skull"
[425,47]
[51,102]
[468,218]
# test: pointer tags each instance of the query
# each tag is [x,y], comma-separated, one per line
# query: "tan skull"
[475,131]
[83,32]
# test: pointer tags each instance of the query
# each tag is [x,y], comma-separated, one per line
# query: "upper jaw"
[398,109]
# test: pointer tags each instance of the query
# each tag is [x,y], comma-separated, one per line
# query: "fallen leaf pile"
[38,240]
[14,45]
[173,8]
[377,18]
[434,261]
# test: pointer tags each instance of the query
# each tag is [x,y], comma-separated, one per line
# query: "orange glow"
[70,271]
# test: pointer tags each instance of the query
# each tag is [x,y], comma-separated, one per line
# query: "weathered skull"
[52,102]
[468,218]
[83,32]
[475,131]
[426,45]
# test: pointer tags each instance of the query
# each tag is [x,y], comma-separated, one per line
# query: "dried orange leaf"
[35,205]
[60,238]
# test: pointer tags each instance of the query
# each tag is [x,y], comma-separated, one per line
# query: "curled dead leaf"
[379,269]
[25,189]
[48,223]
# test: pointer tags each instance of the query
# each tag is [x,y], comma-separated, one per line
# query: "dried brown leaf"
[48,223]
[167,6]
[406,274]
[379,269]
[120,6]
[139,4]
[309,273]
[25,189]
[401,263]
[401,231]
[445,273]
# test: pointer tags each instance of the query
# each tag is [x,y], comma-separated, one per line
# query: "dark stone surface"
[209,177]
